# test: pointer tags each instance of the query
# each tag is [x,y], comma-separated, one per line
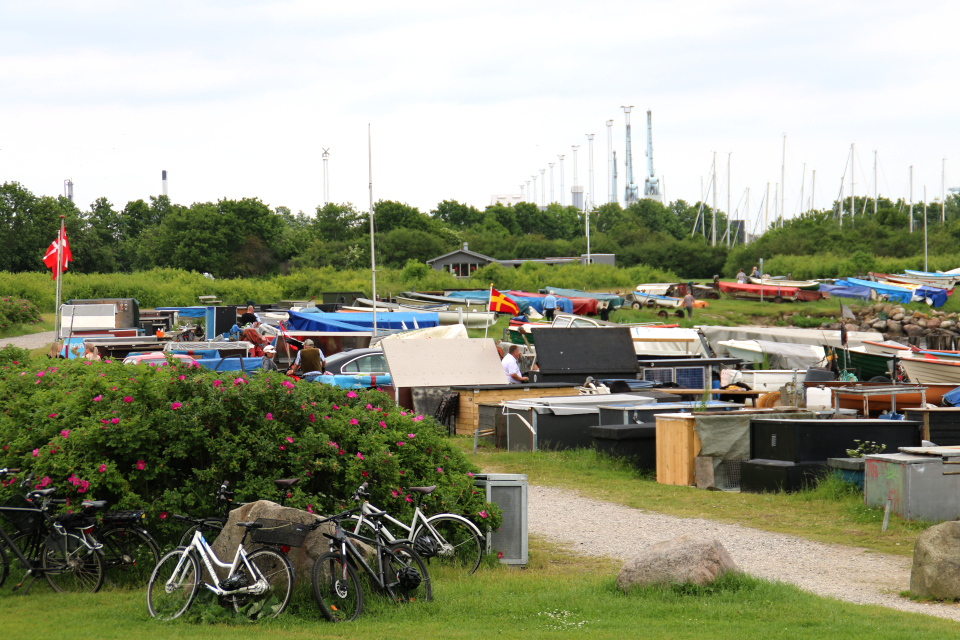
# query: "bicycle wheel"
[173,584]
[276,569]
[458,547]
[29,545]
[70,566]
[408,587]
[130,555]
[208,526]
[4,568]
[336,588]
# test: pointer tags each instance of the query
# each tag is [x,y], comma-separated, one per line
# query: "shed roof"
[467,252]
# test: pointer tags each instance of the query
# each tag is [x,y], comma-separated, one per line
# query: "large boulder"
[933,323]
[683,559]
[894,328]
[912,330]
[314,545]
[936,562]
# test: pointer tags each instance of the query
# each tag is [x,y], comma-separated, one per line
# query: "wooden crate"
[468,415]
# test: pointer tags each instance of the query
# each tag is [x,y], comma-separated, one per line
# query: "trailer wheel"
[679,314]
[713,295]
[663,314]
[636,305]
[777,300]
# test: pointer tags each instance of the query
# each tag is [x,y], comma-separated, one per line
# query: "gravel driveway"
[32,341]
[846,573]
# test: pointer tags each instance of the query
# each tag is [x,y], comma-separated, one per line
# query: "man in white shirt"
[511,367]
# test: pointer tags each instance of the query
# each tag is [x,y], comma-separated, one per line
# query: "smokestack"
[68,189]
[163,175]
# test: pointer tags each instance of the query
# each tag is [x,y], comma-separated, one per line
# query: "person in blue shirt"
[549,305]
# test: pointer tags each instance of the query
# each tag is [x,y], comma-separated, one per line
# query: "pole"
[563,198]
[543,188]
[729,153]
[574,148]
[552,198]
[590,164]
[611,191]
[803,184]
[373,255]
[713,214]
[911,198]
[813,189]
[58,272]
[925,227]
[534,176]
[783,178]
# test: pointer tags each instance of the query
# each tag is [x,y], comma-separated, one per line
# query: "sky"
[239,98]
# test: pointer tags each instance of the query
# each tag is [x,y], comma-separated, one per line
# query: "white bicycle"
[450,541]
[258,585]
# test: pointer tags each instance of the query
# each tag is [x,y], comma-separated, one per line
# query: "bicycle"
[259,584]
[400,573]
[453,541]
[129,551]
[209,524]
[42,545]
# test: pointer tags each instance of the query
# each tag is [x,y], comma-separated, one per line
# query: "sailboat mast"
[713,214]
[373,255]
[911,198]
[783,178]
[728,198]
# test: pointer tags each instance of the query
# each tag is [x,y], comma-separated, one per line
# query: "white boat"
[931,371]
[785,355]
[808,285]
[888,348]
[763,379]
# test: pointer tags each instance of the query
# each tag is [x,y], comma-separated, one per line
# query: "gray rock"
[922,323]
[865,327]
[894,328]
[852,327]
[683,559]
[933,323]
[912,330]
[899,310]
[897,316]
[880,325]
[936,562]
[314,545]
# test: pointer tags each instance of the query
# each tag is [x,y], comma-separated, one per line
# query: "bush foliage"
[14,311]
[163,438]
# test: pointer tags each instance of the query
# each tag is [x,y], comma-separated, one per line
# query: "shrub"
[11,355]
[162,438]
[14,311]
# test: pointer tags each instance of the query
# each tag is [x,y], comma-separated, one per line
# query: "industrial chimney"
[163,175]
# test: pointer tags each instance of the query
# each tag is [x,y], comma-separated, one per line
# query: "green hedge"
[163,438]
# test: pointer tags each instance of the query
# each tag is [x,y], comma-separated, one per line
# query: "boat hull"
[881,403]
[932,371]
[805,285]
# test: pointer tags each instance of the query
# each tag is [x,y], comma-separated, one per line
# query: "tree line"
[248,238]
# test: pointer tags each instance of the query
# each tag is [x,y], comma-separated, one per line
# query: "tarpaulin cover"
[522,304]
[230,364]
[727,437]
[951,398]
[770,290]
[579,306]
[894,294]
[319,321]
[783,355]
[784,334]
[187,312]
[198,353]
[938,297]
[614,300]
[846,290]
[589,351]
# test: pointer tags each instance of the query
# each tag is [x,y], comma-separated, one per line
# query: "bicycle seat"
[93,504]
[424,490]
[42,493]
[250,525]
[286,483]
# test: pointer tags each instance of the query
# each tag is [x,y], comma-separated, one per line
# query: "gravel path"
[32,341]
[845,573]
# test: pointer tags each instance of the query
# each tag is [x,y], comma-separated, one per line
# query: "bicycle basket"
[23,521]
[280,532]
[123,517]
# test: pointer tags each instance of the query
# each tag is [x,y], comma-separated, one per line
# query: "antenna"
[630,194]
[326,177]
[563,196]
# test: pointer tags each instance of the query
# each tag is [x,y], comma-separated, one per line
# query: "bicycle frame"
[349,551]
[210,559]
[367,509]
[55,528]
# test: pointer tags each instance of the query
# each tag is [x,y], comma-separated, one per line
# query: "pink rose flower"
[401,443]
[359,455]
[482,514]
[383,424]
[115,420]
[65,433]
[128,399]
[290,439]
[351,395]
[312,418]
[269,416]
[163,515]
[354,421]
[98,398]
[411,436]
[36,452]
[175,406]
[102,468]
[141,465]
[439,470]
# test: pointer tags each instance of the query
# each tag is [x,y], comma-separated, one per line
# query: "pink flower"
[439,470]
[115,420]
[283,448]
[288,385]
[40,374]
[369,406]
[469,474]
[411,435]
[105,421]
[269,416]
[401,443]
[408,498]
[127,399]
[354,421]
[141,465]
[309,508]
[418,419]
[351,394]
[175,406]
[335,407]
[482,514]
[326,417]
[65,433]
[52,415]
[359,455]
[111,388]
[36,452]
[45,481]
[163,515]
[84,485]
[217,383]
[102,468]
[394,493]
[97,398]
[333,444]
[499,555]
[181,377]
[312,418]
[383,424]
[290,439]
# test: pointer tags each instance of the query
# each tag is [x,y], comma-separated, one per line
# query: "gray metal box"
[914,485]
[509,492]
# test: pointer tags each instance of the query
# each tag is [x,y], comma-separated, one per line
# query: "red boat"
[767,292]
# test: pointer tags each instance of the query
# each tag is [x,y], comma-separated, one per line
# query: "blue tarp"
[615,301]
[894,294]
[187,312]
[564,305]
[937,297]
[846,290]
[319,321]
[952,398]
[352,382]
[199,353]
[230,364]
[522,303]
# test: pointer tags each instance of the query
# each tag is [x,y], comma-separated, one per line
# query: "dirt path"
[32,341]
[845,573]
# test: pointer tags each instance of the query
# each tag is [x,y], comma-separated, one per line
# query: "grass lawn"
[830,513]
[557,595]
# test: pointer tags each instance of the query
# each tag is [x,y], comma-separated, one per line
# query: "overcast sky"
[237,98]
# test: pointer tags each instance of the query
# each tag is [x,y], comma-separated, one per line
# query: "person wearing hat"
[309,359]
[269,353]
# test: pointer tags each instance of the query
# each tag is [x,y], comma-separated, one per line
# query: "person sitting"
[511,367]
[249,317]
[309,360]
[755,273]
[269,353]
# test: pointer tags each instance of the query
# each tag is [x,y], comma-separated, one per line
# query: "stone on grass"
[681,560]
[936,562]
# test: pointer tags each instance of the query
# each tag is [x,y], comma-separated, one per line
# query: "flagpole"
[489,300]
[58,274]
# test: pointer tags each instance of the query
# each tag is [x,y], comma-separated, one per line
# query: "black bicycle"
[129,551]
[60,549]
[397,571]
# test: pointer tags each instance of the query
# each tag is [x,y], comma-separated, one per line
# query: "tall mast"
[590,137]
[611,179]
[614,188]
[563,196]
[713,214]
[551,165]
[630,194]
[783,178]
[373,256]
[543,188]
[911,198]
[651,188]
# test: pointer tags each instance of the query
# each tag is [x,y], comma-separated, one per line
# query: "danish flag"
[50,257]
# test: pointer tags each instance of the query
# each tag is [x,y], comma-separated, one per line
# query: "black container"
[944,425]
[816,440]
[636,442]
[770,476]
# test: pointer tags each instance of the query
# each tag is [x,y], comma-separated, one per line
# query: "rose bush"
[163,438]
[14,311]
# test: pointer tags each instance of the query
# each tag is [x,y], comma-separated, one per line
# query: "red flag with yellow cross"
[501,303]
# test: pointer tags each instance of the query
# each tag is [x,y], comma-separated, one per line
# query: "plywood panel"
[443,363]
[468,412]
[677,448]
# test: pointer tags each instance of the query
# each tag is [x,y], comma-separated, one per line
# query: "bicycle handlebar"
[361,492]
[5,471]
